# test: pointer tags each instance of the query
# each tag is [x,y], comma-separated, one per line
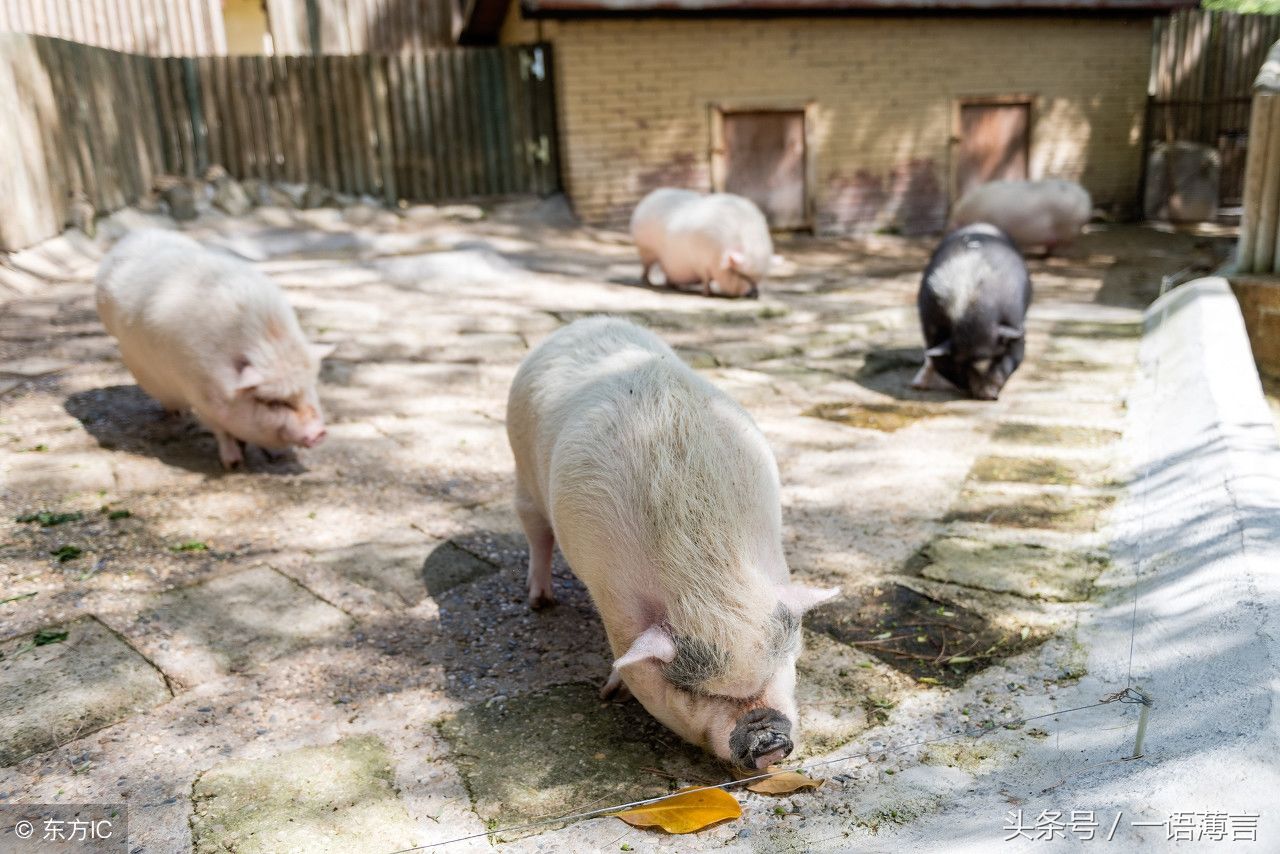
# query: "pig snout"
[760,738]
[313,436]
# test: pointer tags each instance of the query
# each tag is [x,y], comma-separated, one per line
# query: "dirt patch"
[885,417]
[562,748]
[1055,512]
[1053,434]
[934,641]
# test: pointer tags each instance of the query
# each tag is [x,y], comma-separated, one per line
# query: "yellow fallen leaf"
[685,813]
[784,783]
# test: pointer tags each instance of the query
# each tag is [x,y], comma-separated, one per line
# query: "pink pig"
[204,331]
[663,496]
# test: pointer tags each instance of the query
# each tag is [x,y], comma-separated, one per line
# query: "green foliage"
[1244,7]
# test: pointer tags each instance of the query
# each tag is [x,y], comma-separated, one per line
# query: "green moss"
[1028,470]
[1048,434]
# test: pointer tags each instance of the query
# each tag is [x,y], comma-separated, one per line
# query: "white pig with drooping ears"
[719,241]
[204,331]
[663,496]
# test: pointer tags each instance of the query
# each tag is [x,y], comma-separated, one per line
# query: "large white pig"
[1045,213]
[204,331]
[720,241]
[663,496]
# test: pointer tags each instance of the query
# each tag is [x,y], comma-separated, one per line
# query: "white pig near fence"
[663,496]
[1045,213]
[720,241]
[204,331]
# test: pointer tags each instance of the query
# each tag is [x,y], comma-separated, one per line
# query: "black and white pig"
[973,304]
[663,496]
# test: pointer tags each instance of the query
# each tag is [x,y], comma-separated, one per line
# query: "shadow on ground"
[124,418]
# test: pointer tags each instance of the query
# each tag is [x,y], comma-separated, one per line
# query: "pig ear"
[734,259]
[653,642]
[322,351]
[943,349]
[1009,333]
[250,377]
[800,598]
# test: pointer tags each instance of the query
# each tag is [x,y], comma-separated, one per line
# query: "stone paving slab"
[320,800]
[235,622]
[54,691]
[1064,512]
[1024,569]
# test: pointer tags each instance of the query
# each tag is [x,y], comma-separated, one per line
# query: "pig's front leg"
[230,450]
[542,541]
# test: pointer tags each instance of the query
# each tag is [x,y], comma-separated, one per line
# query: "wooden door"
[764,160]
[993,143]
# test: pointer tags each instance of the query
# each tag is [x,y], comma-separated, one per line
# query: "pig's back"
[712,224]
[650,218]
[182,313]
[1031,212]
[646,471]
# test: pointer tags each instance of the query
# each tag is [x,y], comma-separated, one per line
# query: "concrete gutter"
[1199,530]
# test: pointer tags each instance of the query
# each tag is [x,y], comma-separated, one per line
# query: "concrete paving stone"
[1046,510]
[237,621]
[56,692]
[560,748]
[388,568]
[1025,569]
[59,473]
[448,566]
[36,366]
[321,800]
[839,691]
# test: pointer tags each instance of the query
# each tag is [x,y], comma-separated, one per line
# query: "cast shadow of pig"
[889,370]
[125,418]
[532,733]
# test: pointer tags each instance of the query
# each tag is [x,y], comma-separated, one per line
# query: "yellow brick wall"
[635,102]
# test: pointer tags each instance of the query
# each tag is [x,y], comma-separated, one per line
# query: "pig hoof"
[539,599]
[615,689]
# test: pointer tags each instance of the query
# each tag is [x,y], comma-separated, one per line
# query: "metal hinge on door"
[540,151]
[532,63]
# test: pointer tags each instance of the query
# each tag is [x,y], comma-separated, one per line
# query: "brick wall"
[635,101]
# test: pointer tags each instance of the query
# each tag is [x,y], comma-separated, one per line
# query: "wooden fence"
[1202,69]
[155,27]
[1259,246]
[435,125]
[199,27]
